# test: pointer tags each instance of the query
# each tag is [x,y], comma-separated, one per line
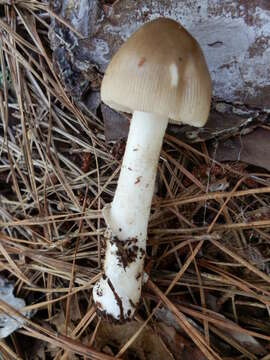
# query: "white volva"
[119,291]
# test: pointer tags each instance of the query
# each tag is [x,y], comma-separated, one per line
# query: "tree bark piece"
[234,36]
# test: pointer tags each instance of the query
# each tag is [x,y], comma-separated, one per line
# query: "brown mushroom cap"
[160,69]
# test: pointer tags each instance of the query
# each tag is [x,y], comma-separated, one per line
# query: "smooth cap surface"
[160,69]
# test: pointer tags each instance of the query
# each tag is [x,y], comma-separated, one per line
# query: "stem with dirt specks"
[118,292]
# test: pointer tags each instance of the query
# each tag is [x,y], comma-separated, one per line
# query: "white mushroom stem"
[119,291]
[131,205]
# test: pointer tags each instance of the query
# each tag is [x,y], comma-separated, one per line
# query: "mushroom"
[159,74]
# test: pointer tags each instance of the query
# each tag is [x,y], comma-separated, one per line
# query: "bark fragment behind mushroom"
[158,74]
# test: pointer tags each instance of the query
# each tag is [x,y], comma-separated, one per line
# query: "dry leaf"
[92,101]
[245,340]
[75,313]
[253,148]
[181,348]
[148,346]
[116,124]
[59,322]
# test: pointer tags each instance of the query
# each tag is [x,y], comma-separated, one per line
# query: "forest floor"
[208,253]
